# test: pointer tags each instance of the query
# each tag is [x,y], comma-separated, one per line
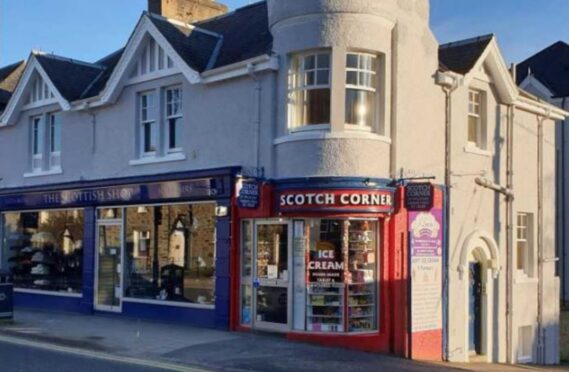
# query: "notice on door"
[426,244]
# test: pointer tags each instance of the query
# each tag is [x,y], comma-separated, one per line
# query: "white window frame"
[176,115]
[297,84]
[37,142]
[479,116]
[154,133]
[524,235]
[373,76]
[54,120]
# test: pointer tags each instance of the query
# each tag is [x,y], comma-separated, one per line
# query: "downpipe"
[257,118]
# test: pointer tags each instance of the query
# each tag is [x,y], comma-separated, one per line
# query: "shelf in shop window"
[361,316]
[324,294]
[361,294]
[327,305]
[363,305]
[326,316]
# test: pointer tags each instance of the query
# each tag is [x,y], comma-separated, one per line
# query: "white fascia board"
[15,103]
[118,77]
[261,63]
[499,72]
[541,108]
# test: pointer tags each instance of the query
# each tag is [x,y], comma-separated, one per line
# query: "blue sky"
[90,29]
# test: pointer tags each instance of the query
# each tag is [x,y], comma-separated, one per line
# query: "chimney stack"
[188,11]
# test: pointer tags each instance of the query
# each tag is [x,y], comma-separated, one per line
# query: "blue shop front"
[154,247]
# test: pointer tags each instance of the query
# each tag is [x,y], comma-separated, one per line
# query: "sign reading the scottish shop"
[114,194]
[371,201]
[249,192]
[419,196]
[426,244]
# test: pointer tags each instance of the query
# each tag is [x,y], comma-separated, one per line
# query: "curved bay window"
[309,90]
[44,250]
[361,91]
[170,253]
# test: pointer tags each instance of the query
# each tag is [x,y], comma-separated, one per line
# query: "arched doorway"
[479,268]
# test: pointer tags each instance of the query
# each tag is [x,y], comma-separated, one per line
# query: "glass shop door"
[109,257]
[271,277]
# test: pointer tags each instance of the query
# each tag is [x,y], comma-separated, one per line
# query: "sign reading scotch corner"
[370,201]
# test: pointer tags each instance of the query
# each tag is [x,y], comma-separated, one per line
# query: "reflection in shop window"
[44,250]
[170,252]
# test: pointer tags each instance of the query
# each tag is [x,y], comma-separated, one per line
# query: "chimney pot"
[188,11]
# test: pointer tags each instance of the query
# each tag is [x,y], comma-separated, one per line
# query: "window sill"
[47,293]
[168,303]
[310,128]
[156,160]
[324,135]
[475,150]
[51,172]
[522,278]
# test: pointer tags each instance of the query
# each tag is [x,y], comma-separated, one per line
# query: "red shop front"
[324,261]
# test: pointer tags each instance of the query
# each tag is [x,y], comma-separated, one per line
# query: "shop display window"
[170,253]
[44,250]
[341,275]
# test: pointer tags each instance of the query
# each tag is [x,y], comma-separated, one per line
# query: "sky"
[90,29]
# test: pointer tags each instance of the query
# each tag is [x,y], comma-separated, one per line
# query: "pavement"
[136,345]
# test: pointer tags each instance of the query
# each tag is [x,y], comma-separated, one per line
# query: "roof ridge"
[183,24]
[67,59]
[467,41]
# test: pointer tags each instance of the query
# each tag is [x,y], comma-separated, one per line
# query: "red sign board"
[353,201]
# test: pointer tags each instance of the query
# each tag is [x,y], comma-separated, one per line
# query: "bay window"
[361,91]
[309,90]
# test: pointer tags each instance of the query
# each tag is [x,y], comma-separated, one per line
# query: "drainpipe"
[509,233]
[563,215]
[257,119]
[449,84]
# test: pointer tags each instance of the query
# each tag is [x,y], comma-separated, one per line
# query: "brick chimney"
[188,11]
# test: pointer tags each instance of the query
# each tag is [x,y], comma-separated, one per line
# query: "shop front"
[316,262]
[148,247]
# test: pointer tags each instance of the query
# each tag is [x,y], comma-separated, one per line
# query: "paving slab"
[210,349]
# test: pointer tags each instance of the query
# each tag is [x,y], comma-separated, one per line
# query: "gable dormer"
[38,93]
[153,61]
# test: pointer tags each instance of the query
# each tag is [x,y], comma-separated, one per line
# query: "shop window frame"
[39,291]
[123,217]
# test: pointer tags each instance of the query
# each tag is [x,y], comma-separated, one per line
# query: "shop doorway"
[271,276]
[475,309]
[108,268]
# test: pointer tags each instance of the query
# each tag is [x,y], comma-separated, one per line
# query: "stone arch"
[485,246]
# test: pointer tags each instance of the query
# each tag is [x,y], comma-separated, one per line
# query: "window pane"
[352,78]
[309,62]
[317,106]
[44,250]
[360,107]
[473,129]
[323,61]
[170,253]
[323,77]
[174,133]
[149,137]
[352,61]
[310,78]
[55,133]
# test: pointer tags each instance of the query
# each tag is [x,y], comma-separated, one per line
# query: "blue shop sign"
[249,194]
[199,188]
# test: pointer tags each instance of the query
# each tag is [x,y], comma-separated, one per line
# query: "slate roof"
[9,77]
[230,38]
[550,67]
[461,56]
[70,77]
[245,33]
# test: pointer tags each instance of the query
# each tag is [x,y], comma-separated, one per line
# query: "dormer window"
[476,119]
[309,91]
[148,126]
[37,144]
